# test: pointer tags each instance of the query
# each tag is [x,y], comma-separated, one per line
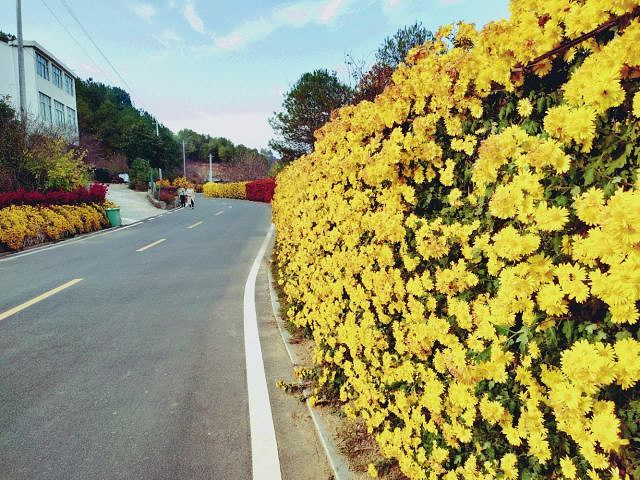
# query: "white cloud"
[249,32]
[144,10]
[332,10]
[168,38]
[192,17]
[391,3]
[295,15]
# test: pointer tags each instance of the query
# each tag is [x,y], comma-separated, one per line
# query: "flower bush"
[25,225]
[225,190]
[261,190]
[181,182]
[95,193]
[256,190]
[465,249]
[167,195]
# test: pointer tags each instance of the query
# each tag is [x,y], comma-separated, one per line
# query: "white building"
[49,84]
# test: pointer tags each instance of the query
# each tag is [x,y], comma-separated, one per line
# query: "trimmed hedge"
[96,193]
[25,225]
[225,190]
[257,190]
[261,190]
[465,250]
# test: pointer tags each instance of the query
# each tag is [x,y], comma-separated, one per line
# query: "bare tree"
[248,166]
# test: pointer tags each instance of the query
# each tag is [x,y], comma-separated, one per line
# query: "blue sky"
[221,67]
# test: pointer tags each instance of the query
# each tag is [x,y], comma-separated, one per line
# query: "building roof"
[52,57]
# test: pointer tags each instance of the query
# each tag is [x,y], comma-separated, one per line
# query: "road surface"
[135,367]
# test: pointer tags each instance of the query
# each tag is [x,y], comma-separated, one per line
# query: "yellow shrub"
[225,190]
[181,182]
[465,250]
[22,226]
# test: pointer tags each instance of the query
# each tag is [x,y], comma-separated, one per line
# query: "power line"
[73,15]
[74,39]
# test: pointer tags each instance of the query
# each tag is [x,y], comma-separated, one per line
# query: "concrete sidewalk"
[134,206]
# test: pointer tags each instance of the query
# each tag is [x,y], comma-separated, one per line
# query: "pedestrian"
[191,197]
[183,197]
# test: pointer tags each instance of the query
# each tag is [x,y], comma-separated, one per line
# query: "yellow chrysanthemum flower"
[525,107]
[569,470]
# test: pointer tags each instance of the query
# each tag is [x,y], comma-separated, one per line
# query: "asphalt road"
[138,370]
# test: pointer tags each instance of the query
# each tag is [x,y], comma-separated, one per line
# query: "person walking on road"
[183,197]
[191,197]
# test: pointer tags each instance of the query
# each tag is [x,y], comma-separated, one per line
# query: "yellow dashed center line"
[39,298]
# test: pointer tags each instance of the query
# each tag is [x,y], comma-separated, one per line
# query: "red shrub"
[261,190]
[96,193]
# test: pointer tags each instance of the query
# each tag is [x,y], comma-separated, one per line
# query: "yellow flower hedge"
[465,250]
[22,226]
[225,190]
[181,182]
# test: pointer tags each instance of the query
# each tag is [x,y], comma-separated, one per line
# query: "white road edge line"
[339,467]
[219,213]
[70,241]
[264,446]
[151,245]
[39,298]
[196,224]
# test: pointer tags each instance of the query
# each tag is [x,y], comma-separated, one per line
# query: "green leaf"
[567,330]
[589,175]
[623,335]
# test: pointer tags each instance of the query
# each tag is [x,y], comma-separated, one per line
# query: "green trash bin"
[113,214]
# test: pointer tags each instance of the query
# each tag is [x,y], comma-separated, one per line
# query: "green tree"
[394,49]
[6,37]
[306,107]
[54,165]
[390,54]
[139,172]
[108,115]
[13,143]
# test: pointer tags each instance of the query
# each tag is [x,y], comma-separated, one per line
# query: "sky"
[222,67]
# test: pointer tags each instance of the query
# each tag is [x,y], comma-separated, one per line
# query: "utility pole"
[21,81]
[210,169]
[158,135]
[184,162]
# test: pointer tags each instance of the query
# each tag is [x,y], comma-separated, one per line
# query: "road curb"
[339,466]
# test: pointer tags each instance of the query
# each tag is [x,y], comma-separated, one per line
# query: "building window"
[56,75]
[68,84]
[42,66]
[71,118]
[59,114]
[45,108]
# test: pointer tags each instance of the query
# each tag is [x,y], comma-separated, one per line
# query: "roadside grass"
[361,449]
